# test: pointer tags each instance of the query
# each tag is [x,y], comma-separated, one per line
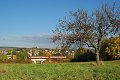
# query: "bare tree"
[80,28]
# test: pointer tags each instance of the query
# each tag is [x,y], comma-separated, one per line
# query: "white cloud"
[40,40]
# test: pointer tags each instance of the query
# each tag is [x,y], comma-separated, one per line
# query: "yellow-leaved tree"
[112,47]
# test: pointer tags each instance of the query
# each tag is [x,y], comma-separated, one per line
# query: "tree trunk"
[97,57]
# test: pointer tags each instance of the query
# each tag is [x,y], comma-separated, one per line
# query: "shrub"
[83,55]
[3,58]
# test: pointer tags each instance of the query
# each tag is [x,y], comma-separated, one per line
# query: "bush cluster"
[21,57]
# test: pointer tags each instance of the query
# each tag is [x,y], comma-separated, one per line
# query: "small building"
[11,56]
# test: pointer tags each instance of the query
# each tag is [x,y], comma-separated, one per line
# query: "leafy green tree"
[23,56]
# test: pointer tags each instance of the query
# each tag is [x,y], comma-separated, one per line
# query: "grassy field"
[62,71]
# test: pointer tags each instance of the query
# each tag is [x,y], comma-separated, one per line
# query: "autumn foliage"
[111,47]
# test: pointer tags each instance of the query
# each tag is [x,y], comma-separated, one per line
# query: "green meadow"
[61,71]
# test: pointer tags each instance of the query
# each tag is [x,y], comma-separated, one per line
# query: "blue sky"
[29,23]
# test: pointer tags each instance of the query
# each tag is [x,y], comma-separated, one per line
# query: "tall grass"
[61,71]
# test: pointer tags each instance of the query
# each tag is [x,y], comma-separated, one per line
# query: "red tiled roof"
[44,57]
